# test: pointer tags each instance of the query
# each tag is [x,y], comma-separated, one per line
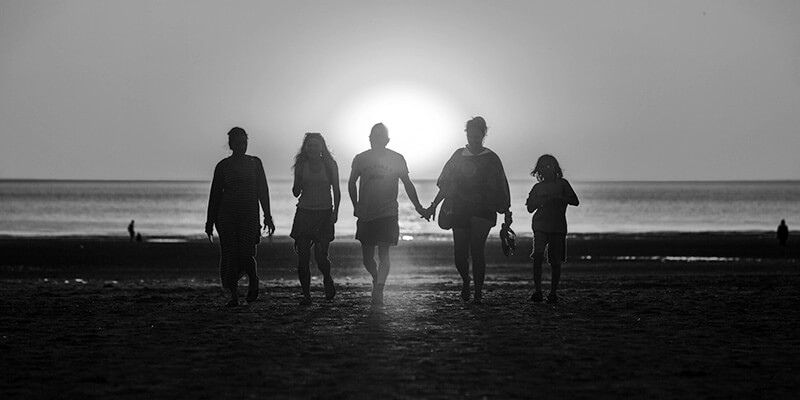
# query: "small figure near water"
[238,187]
[783,233]
[316,176]
[549,199]
[376,173]
[139,237]
[131,230]
[474,182]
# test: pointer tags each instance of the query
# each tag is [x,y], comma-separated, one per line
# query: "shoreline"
[174,257]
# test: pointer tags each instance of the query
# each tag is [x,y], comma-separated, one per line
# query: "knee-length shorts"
[553,244]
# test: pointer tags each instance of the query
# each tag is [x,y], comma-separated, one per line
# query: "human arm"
[444,183]
[569,196]
[297,186]
[337,193]
[214,199]
[263,197]
[412,195]
[505,204]
[534,201]
[430,212]
[353,190]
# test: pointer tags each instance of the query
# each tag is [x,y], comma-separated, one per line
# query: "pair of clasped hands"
[427,213]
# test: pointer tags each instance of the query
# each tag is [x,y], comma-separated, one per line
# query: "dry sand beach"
[95,317]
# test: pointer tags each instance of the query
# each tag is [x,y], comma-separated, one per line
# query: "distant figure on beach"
[238,187]
[377,172]
[783,233]
[316,176]
[131,230]
[474,182]
[549,199]
[139,237]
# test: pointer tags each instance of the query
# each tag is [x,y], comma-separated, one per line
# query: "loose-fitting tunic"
[476,184]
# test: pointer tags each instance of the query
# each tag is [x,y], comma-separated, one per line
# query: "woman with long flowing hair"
[316,185]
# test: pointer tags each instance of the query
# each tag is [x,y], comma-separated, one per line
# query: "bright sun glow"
[423,126]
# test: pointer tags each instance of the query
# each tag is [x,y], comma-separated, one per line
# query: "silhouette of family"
[473,189]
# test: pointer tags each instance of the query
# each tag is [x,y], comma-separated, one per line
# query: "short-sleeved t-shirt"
[379,171]
[551,217]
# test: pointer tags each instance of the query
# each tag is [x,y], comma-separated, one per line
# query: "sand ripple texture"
[626,336]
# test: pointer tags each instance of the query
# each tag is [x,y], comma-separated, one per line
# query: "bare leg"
[229,263]
[556,276]
[368,253]
[537,276]
[321,255]
[252,278]
[234,295]
[461,256]
[303,271]
[384,264]
[324,265]
[477,245]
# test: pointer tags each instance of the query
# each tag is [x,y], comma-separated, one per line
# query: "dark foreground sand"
[106,318]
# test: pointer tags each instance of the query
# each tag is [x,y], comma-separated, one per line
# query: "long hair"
[537,171]
[327,157]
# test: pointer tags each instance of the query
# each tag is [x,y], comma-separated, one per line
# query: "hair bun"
[236,131]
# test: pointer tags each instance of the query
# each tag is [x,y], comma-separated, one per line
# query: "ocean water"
[104,208]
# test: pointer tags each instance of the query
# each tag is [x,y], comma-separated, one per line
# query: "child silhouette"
[549,199]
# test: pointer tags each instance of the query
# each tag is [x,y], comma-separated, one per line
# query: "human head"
[307,149]
[546,165]
[312,139]
[379,136]
[237,140]
[476,131]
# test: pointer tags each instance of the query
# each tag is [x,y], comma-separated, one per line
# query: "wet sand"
[94,317]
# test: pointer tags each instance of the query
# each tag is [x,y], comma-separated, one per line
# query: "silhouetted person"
[377,172]
[783,233]
[474,180]
[139,237]
[549,199]
[131,230]
[316,183]
[239,186]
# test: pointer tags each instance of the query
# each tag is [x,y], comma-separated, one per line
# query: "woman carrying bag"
[475,187]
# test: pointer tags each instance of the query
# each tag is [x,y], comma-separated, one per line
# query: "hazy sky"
[620,90]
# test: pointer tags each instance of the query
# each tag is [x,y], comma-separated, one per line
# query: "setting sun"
[423,125]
